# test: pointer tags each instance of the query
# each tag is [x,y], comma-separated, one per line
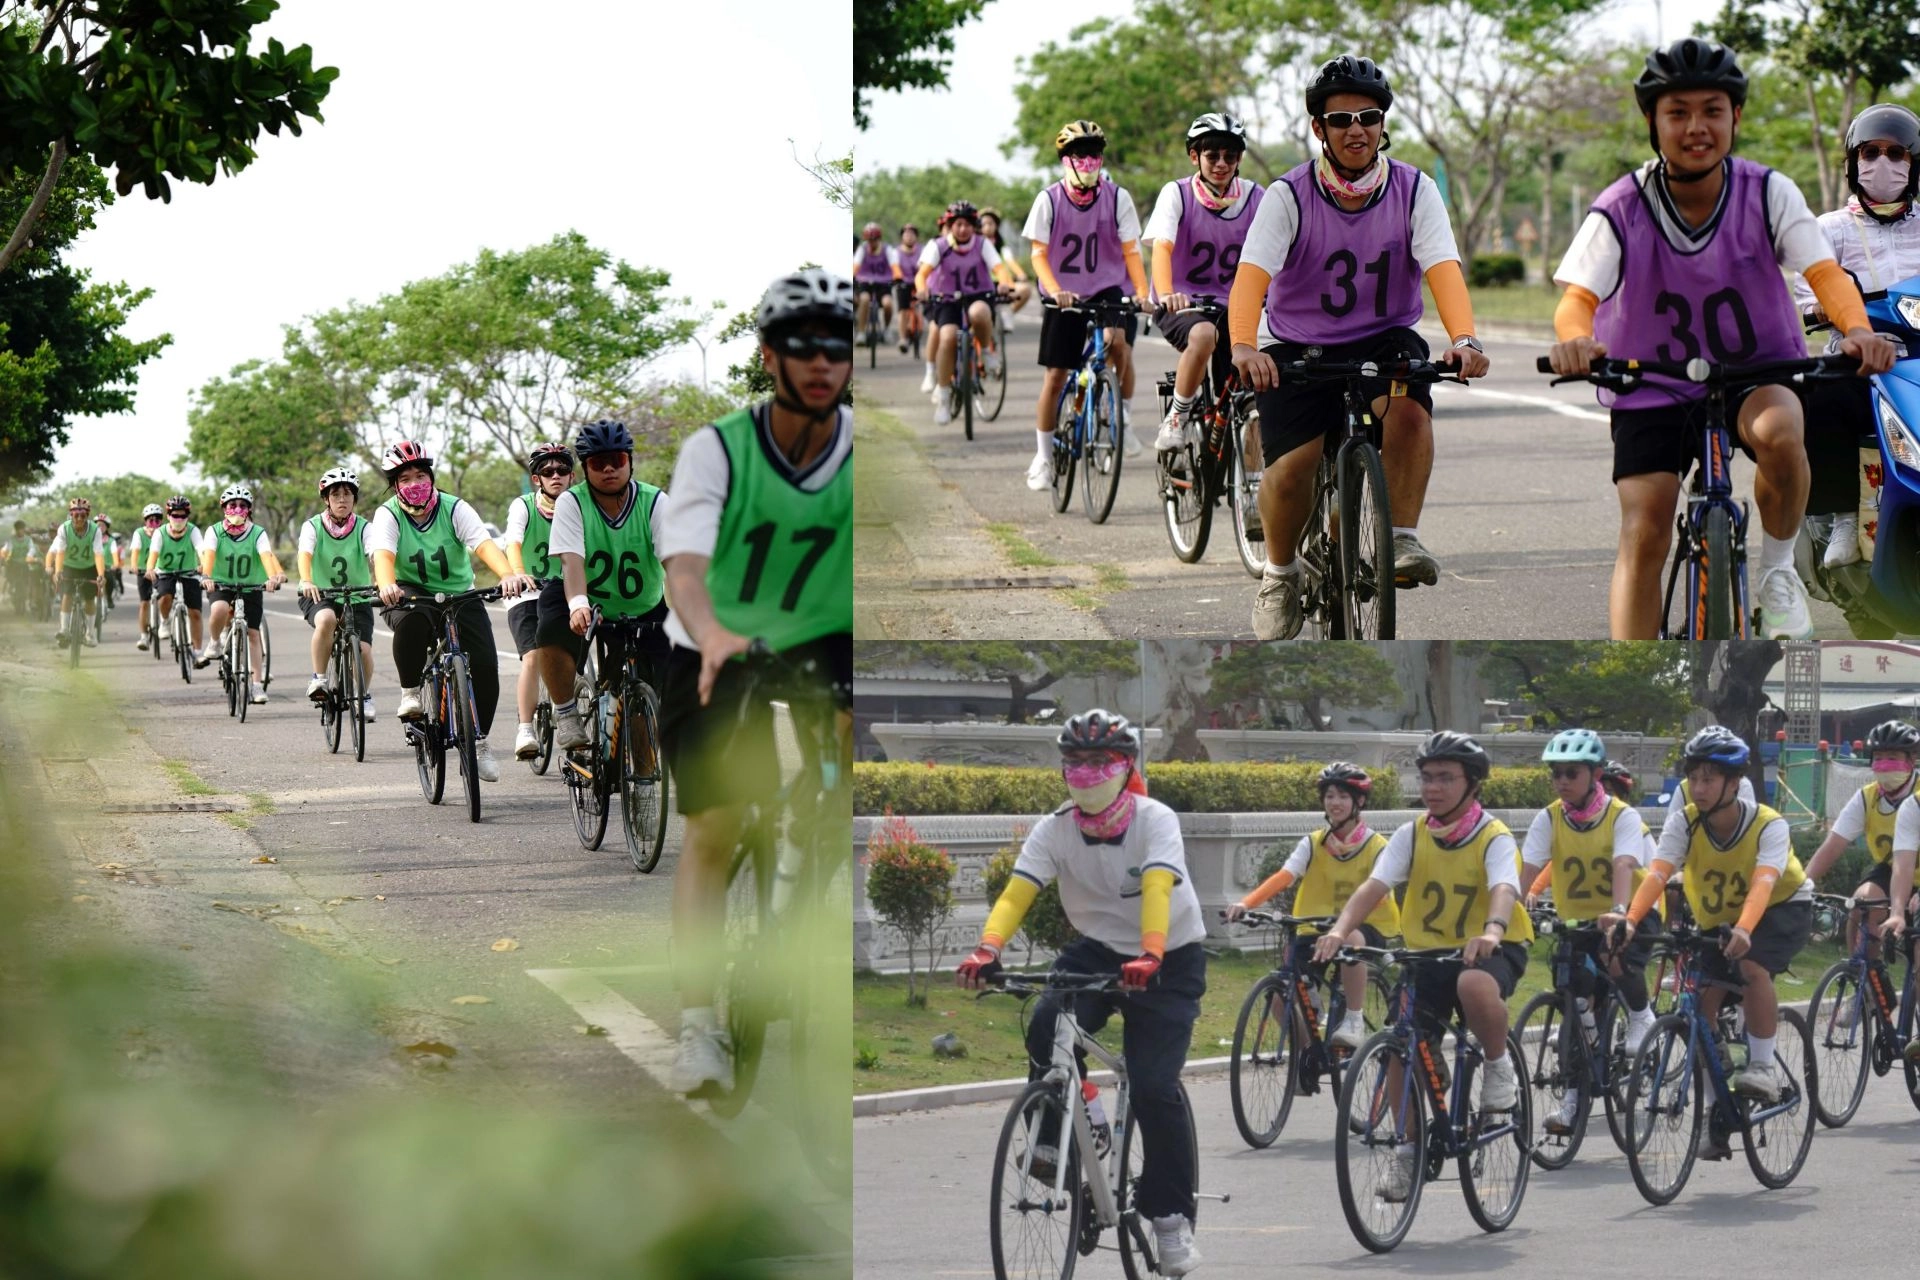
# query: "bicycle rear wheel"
[1374,1139]
[459,694]
[1244,498]
[266,651]
[1065,428]
[1260,1073]
[543,734]
[751,968]
[1366,544]
[643,777]
[1186,499]
[357,711]
[1841,1027]
[1034,1231]
[1716,578]
[1494,1170]
[1777,1146]
[76,632]
[1554,1052]
[242,664]
[1613,1052]
[993,388]
[1100,478]
[1664,1108]
[1139,1247]
[332,702]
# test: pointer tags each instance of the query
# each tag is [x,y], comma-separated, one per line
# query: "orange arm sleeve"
[1450,298]
[1839,296]
[1042,270]
[1542,881]
[1163,268]
[1243,304]
[1573,318]
[1764,878]
[1138,273]
[1650,890]
[920,277]
[1279,882]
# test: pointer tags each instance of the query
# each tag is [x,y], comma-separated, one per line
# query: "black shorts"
[1298,413]
[902,296]
[1666,440]
[82,583]
[942,313]
[1177,328]
[144,587]
[252,600]
[188,585]
[1881,875]
[1063,335]
[552,622]
[1436,995]
[362,614]
[1781,934]
[523,619]
[721,754]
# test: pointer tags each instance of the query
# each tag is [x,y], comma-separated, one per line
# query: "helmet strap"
[787,398]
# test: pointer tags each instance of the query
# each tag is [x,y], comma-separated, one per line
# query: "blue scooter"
[1883,599]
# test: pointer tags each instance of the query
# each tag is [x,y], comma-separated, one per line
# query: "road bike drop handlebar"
[999,293]
[1627,375]
[1253,918]
[485,595]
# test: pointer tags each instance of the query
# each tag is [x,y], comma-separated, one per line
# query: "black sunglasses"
[805,346]
[553,473]
[1345,119]
[1892,151]
[1566,771]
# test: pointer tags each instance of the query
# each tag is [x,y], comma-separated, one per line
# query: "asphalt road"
[1285,1218]
[500,958]
[1520,510]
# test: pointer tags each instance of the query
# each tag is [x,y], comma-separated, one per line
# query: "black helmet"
[1348,74]
[1616,777]
[1716,744]
[1342,773]
[1099,730]
[964,211]
[1691,63]
[179,504]
[604,436]
[1893,735]
[1448,745]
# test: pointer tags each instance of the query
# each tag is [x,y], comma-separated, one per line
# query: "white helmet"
[151,509]
[339,475]
[812,294]
[1216,122]
[237,493]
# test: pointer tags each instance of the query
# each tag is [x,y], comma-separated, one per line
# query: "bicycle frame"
[1712,490]
[1700,1034]
[1870,972]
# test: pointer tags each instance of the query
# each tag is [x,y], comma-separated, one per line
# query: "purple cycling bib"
[960,270]
[1721,298]
[1206,249]
[1084,246]
[1347,275]
[873,268]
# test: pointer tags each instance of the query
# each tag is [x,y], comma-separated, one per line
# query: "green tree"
[892,197]
[268,424]
[1026,667]
[1316,678]
[149,92]
[1728,682]
[119,498]
[903,44]
[1641,686]
[660,417]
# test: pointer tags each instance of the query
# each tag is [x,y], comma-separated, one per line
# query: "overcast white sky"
[966,122]
[658,131]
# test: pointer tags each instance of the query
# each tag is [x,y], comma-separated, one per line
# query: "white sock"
[1040,448]
[1184,404]
[698,1019]
[1759,1049]
[1640,1017]
[1127,406]
[1282,570]
[931,369]
[1775,553]
[524,724]
[566,708]
[1408,530]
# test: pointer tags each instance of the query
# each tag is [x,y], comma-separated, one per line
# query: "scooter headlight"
[1901,445]
[1909,308]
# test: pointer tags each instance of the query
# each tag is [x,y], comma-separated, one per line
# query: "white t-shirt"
[1100,883]
[516,530]
[1039,228]
[1629,839]
[701,479]
[1164,222]
[383,533]
[569,529]
[1906,826]
[1396,860]
[1878,254]
[1851,824]
[1776,844]
[1593,259]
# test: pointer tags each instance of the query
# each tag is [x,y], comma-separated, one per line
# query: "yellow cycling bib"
[1330,881]
[1716,878]
[1583,862]
[1879,825]
[1447,892]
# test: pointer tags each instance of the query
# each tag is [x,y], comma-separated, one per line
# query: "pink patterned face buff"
[1208,200]
[1364,185]
[1452,833]
[1101,803]
[338,528]
[417,493]
[1344,848]
[1083,173]
[237,514]
[1894,775]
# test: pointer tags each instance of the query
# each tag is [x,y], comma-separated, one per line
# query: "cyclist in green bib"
[237,557]
[137,547]
[758,544]
[529,529]
[333,554]
[18,554]
[605,530]
[424,542]
[173,561]
[77,559]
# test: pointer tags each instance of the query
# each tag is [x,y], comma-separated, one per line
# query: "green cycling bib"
[624,576]
[540,566]
[176,554]
[340,562]
[433,558]
[237,561]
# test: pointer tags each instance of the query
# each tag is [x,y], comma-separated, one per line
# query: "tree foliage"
[268,424]
[119,497]
[903,44]
[1638,686]
[1026,667]
[893,197]
[1311,677]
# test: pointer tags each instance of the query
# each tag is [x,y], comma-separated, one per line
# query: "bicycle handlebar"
[1280,920]
[1627,374]
[1406,369]
[1121,306]
[1019,984]
[1399,955]
[993,294]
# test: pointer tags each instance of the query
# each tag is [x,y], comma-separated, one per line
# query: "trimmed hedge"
[1190,788]
[1496,269]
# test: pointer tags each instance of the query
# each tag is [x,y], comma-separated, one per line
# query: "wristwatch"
[1619,908]
[1468,340]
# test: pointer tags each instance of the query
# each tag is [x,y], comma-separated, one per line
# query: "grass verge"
[189,782]
[1022,553]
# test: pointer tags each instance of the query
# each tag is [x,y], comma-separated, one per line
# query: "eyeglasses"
[604,462]
[805,346]
[233,507]
[554,473]
[1565,772]
[1222,157]
[1440,779]
[1347,119]
[1893,151]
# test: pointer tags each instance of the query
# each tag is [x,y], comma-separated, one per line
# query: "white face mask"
[1883,180]
[1097,799]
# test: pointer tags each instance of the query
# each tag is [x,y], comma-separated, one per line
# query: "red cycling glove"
[1136,973]
[983,964]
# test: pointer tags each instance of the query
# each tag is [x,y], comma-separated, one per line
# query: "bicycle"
[1683,1059]
[1087,418]
[973,382]
[1347,580]
[236,670]
[79,622]
[1282,1011]
[1055,1193]
[1195,477]
[179,636]
[623,749]
[1388,1122]
[1711,549]
[345,697]
[153,629]
[448,719]
[1857,1022]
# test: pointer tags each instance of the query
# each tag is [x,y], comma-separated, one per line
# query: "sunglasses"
[1893,151]
[553,473]
[233,507]
[604,462]
[805,346]
[1347,119]
[1565,772]
[1222,157]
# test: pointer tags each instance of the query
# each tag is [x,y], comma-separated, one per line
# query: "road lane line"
[1548,403]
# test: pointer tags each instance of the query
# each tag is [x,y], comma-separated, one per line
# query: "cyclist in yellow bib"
[1329,865]
[1906,843]
[1871,812]
[1740,870]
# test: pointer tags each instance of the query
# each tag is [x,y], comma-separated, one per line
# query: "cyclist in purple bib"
[1197,228]
[1334,260]
[876,269]
[908,253]
[1709,233]
[1085,235]
[959,262]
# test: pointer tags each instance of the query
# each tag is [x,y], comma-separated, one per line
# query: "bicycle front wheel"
[643,778]
[1034,1228]
[242,667]
[1185,500]
[1366,545]
[459,694]
[182,642]
[1380,1144]
[1066,427]
[1260,1074]
[1554,1052]
[1244,495]
[750,967]
[1494,1168]
[1139,1247]
[1841,1026]
[266,653]
[1100,474]
[965,362]
[1777,1146]
[1716,578]
[993,388]
[357,712]
[580,769]
[1664,1111]
[543,734]
[429,743]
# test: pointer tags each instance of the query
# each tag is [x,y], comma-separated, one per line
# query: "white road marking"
[1544,402]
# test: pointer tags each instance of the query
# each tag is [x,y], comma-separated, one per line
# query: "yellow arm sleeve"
[1839,296]
[1764,878]
[1279,882]
[920,277]
[1650,890]
[1544,880]
[1573,317]
[271,563]
[1156,909]
[1135,271]
[1244,302]
[1163,267]
[206,564]
[1042,270]
[1450,298]
[1007,914]
[1019,272]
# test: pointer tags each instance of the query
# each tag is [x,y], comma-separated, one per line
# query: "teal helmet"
[1576,746]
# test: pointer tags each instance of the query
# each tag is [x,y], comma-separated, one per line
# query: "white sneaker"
[483,762]
[317,689]
[926,383]
[410,708]
[993,363]
[568,732]
[1352,1032]
[86,638]
[942,407]
[1499,1088]
[1173,432]
[1397,1185]
[1174,1235]
[367,709]
[1637,1029]
[1843,544]
[1277,611]
[1783,606]
[526,744]
[1040,472]
[1130,441]
[141,643]
[1763,1080]
[704,1059]
[1847,1014]
[1561,1122]
[259,698]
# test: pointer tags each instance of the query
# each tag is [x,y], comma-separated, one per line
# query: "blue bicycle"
[1685,1059]
[1858,1018]
[1087,422]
